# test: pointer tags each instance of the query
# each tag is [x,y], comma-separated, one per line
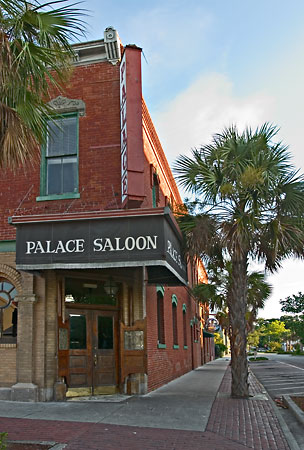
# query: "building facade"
[94,287]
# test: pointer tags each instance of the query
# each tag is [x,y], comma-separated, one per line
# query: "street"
[282,375]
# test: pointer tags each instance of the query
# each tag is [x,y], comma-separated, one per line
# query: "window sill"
[175,347]
[185,347]
[43,198]
[161,346]
[7,345]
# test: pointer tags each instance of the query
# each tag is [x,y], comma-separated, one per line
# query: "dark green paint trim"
[174,299]
[7,246]
[161,346]
[44,198]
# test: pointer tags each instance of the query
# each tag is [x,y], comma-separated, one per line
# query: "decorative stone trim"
[11,275]
[27,298]
[8,345]
[174,299]
[65,105]
[112,45]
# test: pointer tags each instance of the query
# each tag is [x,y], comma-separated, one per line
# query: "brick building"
[94,290]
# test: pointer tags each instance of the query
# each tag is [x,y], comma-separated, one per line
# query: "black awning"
[152,240]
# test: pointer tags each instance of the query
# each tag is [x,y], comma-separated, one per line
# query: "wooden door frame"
[88,311]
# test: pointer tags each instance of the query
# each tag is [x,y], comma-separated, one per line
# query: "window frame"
[7,339]
[43,165]
[174,322]
[160,310]
[185,326]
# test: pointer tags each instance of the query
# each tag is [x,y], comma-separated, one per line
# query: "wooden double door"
[93,351]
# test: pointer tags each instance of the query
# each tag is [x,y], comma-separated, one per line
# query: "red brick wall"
[166,364]
[99,154]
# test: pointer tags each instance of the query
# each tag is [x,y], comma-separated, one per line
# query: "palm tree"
[258,292]
[249,204]
[35,56]
[216,291]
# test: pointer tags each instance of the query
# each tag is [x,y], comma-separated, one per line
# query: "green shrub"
[3,437]
[275,346]
[259,358]
[220,349]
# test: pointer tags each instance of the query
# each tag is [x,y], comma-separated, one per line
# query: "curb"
[294,408]
[291,441]
[55,445]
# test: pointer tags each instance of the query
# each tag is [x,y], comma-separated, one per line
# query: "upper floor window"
[59,159]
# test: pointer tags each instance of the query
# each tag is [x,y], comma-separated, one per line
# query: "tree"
[216,292]
[294,305]
[249,205]
[35,56]
[272,333]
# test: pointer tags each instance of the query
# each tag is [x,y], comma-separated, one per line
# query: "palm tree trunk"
[237,299]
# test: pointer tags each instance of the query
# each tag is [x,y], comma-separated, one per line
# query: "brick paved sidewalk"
[251,422]
[88,436]
[234,424]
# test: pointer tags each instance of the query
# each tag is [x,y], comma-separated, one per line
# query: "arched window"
[8,311]
[185,325]
[160,316]
[174,321]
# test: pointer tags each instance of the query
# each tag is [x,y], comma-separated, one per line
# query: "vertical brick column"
[25,389]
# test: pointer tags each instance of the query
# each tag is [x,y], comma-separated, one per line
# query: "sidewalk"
[192,412]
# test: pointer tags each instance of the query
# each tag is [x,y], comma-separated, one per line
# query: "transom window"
[60,159]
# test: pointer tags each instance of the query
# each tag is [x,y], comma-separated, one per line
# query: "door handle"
[95,359]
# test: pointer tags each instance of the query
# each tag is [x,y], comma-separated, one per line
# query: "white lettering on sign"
[174,254]
[123,129]
[106,244]
[129,243]
[71,246]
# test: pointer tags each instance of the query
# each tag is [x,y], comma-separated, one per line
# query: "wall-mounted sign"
[134,340]
[131,134]
[212,324]
[103,243]
[123,129]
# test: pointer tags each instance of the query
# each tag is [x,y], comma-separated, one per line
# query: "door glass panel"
[78,331]
[105,333]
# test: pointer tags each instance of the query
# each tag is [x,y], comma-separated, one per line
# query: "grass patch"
[259,358]
[3,437]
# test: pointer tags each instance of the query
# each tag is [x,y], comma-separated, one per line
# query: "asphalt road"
[280,375]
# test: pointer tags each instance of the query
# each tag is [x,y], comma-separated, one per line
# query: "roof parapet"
[107,49]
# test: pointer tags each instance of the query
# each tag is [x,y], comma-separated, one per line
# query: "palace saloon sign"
[152,241]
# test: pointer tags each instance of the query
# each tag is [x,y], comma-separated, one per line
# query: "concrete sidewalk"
[192,412]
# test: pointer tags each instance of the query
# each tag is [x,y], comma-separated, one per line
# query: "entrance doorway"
[93,352]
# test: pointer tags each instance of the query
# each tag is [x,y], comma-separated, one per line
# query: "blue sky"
[211,63]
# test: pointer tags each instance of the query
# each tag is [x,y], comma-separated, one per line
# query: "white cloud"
[210,104]
[205,108]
